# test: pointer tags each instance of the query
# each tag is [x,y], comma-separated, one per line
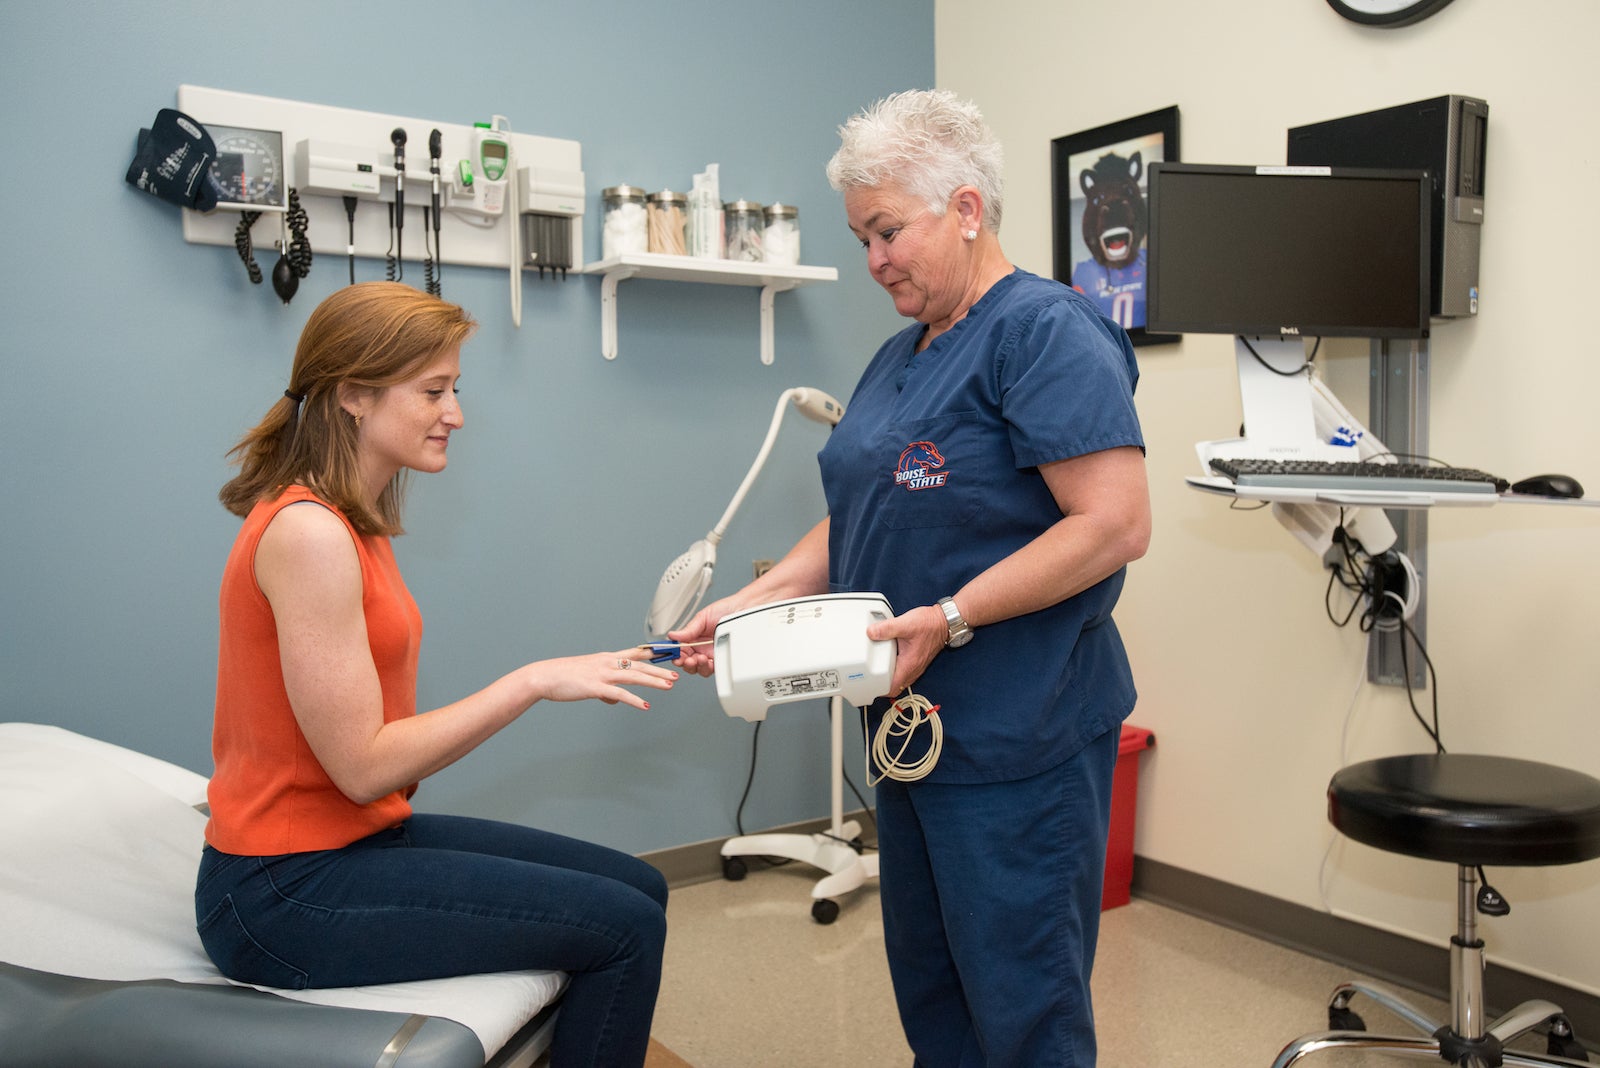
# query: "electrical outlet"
[761,567]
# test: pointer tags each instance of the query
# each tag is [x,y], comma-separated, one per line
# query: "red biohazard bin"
[1124,798]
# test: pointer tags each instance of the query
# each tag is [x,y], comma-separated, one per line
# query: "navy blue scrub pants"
[448,895]
[991,908]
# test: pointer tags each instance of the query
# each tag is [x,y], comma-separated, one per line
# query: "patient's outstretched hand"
[602,676]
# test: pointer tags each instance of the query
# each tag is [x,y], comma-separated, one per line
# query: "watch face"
[1387,13]
[248,170]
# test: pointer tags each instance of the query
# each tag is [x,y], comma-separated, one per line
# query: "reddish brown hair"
[371,335]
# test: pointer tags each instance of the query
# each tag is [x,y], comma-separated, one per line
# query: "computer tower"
[1445,136]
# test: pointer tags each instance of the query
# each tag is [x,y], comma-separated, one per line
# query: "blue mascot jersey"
[932,476]
[1117,291]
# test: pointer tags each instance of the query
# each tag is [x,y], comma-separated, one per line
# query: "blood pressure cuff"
[173,161]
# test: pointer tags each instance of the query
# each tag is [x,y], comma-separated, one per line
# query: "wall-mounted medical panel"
[499,197]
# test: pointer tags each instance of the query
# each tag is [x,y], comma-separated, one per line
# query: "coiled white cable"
[903,719]
[1407,605]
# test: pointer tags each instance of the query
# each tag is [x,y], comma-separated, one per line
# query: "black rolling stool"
[1469,811]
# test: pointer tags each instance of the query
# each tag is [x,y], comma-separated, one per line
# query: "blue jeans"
[991,911]
[447,895]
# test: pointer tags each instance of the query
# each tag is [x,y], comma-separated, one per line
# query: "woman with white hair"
[988,478]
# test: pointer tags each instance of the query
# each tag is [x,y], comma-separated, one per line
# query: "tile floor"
[751,981]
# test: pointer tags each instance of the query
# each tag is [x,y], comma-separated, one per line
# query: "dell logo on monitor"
[1289,331]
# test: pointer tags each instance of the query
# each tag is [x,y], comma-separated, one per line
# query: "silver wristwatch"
[960,633]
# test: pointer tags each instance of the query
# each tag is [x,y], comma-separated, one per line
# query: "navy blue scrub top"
[932,476]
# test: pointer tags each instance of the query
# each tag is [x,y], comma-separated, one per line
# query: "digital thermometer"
[485,192]
[491,152]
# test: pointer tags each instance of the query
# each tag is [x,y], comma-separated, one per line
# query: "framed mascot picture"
[1098,185]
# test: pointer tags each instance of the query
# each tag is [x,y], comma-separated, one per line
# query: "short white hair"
[927,141]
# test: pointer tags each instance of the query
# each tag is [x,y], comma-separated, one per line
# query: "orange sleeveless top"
[269,794]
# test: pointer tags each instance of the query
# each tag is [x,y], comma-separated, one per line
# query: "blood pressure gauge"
[249,170]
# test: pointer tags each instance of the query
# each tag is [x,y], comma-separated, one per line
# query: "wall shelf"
[772,278]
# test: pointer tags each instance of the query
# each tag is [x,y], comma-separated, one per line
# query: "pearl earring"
[971,235]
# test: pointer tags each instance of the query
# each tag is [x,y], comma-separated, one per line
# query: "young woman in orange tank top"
[316,871]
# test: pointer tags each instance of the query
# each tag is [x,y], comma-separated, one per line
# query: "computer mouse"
[1549,486]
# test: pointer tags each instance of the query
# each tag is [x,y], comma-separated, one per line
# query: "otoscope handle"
[399,139]
[435,150]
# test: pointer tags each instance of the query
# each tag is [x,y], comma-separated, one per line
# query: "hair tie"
[298,398]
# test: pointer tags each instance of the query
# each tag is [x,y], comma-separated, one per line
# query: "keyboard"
[1358,476]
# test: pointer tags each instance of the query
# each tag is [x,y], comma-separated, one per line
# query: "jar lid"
[667,196]
[623,192]
[742,206]
[776,210]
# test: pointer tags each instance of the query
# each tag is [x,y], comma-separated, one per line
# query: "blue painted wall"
[134,360]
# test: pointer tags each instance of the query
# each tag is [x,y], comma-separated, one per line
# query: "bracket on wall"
[772,278]
[1398,398]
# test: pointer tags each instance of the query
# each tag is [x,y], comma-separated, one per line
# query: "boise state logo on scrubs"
[919,466]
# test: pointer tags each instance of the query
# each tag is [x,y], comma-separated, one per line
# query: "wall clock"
[1386,13]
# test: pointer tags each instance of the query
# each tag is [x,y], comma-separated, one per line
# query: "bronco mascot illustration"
[1113,231]
[919,466]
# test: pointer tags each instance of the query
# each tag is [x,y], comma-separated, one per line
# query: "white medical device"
[802,648]
[686,579]
[480,181]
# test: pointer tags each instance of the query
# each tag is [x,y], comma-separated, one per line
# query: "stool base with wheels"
[1471,811]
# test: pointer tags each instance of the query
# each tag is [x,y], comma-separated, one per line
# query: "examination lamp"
[688,577]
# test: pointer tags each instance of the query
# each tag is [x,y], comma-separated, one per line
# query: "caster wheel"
[1569,1048]
[1344,1020]
[824,911]
[1561,1042]
[734,869]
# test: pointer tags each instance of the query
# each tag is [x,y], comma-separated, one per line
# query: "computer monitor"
[1277,255]
[1288,252]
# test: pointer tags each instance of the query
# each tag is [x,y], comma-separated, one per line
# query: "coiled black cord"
[391,265]
[429,283]
[245,247]
[299,251]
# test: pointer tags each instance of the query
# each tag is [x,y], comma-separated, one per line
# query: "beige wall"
[1252,692]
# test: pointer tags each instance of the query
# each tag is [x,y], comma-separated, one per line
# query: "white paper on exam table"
[98,851]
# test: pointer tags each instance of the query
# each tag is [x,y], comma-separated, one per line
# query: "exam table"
[100,963]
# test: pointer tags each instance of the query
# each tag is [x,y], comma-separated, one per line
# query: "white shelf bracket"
[608,309]
[768,291]
[772,278]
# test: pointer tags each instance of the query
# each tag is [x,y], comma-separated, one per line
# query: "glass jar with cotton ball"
[780,242]
[622,221]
